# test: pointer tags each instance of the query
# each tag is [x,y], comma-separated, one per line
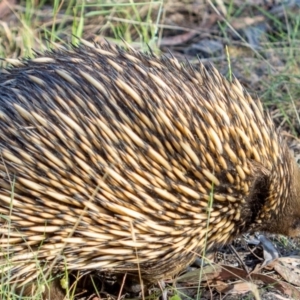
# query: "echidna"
[118,160]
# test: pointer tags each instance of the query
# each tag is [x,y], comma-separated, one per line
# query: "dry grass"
[268,66]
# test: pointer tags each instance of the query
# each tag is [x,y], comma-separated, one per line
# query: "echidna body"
[117,160]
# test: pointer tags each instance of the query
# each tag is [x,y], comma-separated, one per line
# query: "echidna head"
[281,213]
[289,219]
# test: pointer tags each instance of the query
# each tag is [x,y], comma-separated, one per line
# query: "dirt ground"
[258,41]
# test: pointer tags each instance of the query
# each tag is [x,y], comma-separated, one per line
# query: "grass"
[34,24]
[271,70]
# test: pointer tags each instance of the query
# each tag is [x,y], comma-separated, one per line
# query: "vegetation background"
[256,40]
